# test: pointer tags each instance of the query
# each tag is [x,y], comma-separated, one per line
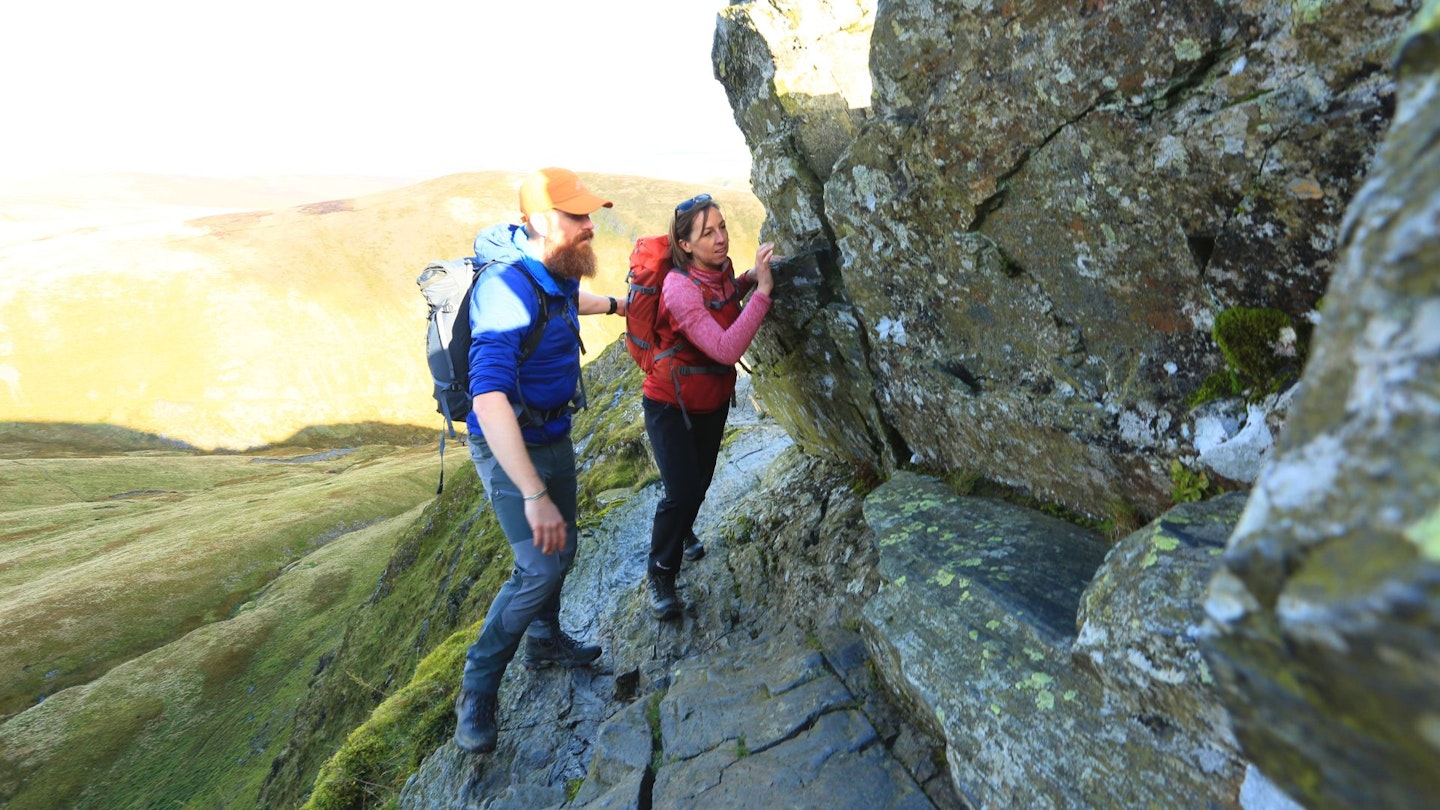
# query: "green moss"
[1189,486]
[966,483]
[1121,519]
[740,531]
[866,479]
[378,756]
[1425,534]
[1223,384]
[1427,19]
[615,452]
[1309,11]
[657,743]
[1261,348]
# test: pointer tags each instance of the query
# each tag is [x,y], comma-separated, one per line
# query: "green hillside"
[156,608]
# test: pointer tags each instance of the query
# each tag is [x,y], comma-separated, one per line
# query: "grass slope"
[119,582]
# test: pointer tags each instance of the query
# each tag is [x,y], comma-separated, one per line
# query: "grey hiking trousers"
[529,602]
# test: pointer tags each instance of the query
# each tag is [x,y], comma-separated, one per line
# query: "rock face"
[1327,607]
[975,624]
[1032,216]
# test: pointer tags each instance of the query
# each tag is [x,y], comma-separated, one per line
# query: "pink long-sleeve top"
[687,308]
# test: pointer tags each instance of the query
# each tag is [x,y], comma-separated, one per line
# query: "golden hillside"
[240,329]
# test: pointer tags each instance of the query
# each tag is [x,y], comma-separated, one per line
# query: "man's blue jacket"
[502,312]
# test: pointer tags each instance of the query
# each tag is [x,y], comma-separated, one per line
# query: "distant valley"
[159,306]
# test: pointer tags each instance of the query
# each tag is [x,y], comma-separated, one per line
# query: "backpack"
[649,264]
[446,287]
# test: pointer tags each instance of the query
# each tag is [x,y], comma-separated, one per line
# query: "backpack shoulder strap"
[542,302]
[542,316]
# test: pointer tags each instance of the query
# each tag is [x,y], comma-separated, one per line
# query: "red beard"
[574,259]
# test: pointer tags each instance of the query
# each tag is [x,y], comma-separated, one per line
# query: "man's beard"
[575,259]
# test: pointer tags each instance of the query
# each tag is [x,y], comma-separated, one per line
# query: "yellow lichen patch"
[1308,11]
[1188,50]
[1037,680]
[1427,19]
[1165,542]
[1425,534]
[943,578]
[1429,727]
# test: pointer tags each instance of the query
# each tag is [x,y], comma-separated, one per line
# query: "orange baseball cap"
[559,189]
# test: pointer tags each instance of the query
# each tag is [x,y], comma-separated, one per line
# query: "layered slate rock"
[1040,216]
[773,721]
[1141,623]
[1327,608]
[975,624]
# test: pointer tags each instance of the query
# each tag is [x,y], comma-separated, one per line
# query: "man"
[520,429]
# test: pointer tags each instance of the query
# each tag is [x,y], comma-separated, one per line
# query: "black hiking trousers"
[686,458]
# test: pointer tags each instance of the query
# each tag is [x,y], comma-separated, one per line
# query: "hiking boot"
[562,650]
[475,721]
[664,603]
[694,549]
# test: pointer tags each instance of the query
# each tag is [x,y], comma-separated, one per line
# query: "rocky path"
[732,705]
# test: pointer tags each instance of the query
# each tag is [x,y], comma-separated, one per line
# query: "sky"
[322,87]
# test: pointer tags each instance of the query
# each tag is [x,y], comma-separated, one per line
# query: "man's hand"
[546,524]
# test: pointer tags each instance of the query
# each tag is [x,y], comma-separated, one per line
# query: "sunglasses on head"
[698,199]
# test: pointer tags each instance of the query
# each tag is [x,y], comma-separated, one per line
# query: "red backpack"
[649,263]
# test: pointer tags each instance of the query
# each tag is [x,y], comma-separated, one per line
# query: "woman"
[687,394]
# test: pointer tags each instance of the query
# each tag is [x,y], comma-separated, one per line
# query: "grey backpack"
[447,286]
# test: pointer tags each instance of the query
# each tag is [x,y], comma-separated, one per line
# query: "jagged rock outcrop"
[976,624]
[1327,607]
[1035,214]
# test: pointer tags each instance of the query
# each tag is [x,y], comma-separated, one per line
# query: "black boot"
[475,721]
[694,549]
[561,650]
[664,603]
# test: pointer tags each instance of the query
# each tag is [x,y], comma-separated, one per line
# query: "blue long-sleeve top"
[503,310]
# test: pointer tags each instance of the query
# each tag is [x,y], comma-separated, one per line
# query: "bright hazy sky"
[416,89]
